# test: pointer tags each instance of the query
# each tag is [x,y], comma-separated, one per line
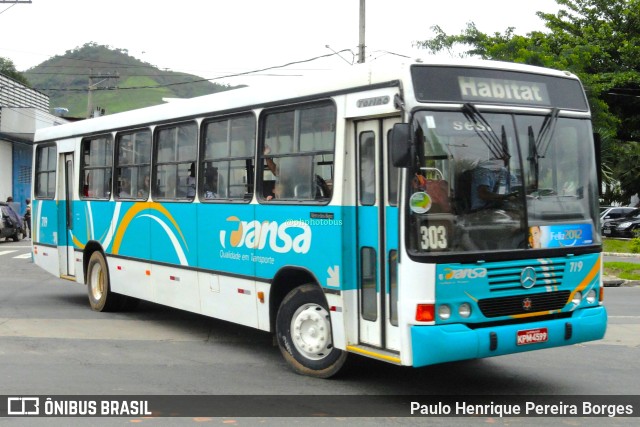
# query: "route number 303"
[433,237]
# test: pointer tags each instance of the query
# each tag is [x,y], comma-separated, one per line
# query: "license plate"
[532,336]
[606,231]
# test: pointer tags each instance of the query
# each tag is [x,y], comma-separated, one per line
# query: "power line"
[244,73]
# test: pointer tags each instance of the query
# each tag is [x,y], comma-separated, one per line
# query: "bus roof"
[358,77]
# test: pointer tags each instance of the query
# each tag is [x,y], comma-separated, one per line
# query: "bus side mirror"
[401,145]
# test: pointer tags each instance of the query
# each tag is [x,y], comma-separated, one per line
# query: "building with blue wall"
[22,111]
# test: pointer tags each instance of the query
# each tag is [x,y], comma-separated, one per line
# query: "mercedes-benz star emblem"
[528,277]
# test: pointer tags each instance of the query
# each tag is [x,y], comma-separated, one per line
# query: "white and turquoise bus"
[416,213]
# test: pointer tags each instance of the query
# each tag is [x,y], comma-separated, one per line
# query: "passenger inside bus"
[490,185]
[144,191]
[277,192]
[294,176]
[125,189]
[191,181]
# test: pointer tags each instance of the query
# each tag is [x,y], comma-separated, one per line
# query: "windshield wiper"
[546,132]
[534,157]
[538,147]
[497,146]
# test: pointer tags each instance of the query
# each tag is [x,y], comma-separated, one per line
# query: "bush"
[635,243]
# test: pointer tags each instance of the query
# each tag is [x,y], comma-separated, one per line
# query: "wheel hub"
[311,331]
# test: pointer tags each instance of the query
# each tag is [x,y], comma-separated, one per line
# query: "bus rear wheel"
[303,331]
[100,296]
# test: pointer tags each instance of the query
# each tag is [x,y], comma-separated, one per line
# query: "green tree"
[8,69]
[598,40]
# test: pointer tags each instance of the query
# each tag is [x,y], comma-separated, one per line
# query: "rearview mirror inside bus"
[401,145]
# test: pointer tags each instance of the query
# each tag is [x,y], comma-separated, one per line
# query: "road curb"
[615,281]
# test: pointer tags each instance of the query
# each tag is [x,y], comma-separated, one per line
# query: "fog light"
[577,297]
[591,296]
[464,310]
[444,312]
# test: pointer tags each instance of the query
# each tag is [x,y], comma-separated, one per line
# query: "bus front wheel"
[100,296]
[303,331]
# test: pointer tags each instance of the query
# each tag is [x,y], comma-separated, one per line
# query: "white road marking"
[23,256]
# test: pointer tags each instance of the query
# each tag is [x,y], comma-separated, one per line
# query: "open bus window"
[227,163]
[97,164]
[174,171]
[297,154]
[133,154]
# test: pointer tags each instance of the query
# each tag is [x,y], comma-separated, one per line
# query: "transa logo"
[281,238]
[463,273]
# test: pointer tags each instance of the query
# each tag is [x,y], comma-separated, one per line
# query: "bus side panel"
[131,243]
[174,238]
[225,280]
[348,319]
[305,237]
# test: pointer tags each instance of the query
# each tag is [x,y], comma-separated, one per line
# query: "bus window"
[133,152]
[297,155]
[174,169]
[45,182]
[394,175]
[367,169]
[368,276]
[96,169]
[227,163]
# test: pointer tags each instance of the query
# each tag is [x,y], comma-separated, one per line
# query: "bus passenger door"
[66,185]
[377,229]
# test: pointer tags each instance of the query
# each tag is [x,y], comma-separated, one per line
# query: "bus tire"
[303,332]
[98,287]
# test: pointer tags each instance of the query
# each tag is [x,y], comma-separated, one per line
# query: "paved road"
[51,343]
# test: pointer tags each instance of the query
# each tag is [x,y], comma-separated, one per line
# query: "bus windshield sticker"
[430,122]
[558,236]
[420,202]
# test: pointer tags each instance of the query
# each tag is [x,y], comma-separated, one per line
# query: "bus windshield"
[489,181]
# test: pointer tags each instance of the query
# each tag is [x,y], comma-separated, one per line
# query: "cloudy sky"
[214,38]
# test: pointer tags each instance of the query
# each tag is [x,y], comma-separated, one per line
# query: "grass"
[622,270]
[614,245]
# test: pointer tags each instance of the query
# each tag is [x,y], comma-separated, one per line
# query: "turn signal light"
[425,313]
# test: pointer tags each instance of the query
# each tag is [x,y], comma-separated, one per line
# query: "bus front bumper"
[448,343]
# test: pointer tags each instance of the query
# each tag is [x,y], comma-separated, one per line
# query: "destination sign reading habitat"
[513,91]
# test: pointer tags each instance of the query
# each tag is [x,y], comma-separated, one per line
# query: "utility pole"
[361,38]
[93,86]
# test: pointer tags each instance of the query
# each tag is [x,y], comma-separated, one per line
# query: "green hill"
[66,78]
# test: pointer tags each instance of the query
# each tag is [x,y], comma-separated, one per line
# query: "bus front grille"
[506,279]
[523,304]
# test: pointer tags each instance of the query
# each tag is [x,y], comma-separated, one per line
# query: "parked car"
[607,213]
[623,227]
[11,225]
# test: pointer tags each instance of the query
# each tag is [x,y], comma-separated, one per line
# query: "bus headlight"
[464,310]
[592,296]
[577,297]
[444,312]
